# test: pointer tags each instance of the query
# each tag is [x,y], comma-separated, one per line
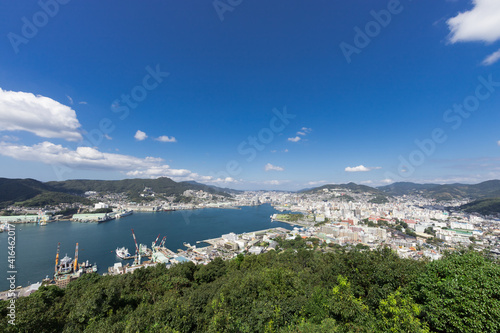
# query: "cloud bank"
[270,167]
[42,116]
[360,168]
[481,23]
[88,158]
[165,138]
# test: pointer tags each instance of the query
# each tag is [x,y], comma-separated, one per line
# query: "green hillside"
[405,188]
[33,193]
[52,199]
[487,189]
[12,190]
[355,188]
[162,185]
[295,290]
[484,206]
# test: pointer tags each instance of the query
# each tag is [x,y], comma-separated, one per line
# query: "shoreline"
[139,211]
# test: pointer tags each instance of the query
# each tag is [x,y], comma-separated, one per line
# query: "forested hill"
[484,206]
[162,185]
[293,290]
[31,192]
[487,189]
[355,188]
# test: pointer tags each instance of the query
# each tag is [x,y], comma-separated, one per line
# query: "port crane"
[137,253]
[163,241]
[154,244]
[75,266]
[57,257]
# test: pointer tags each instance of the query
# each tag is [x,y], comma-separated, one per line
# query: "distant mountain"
[20,189]
[405,188]
[30,192]
[220,189]
[161,185]
[483,206]
[487,189]
[355,188]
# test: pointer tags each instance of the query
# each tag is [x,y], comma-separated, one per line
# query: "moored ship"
[124,213]
[123,253]
[68,269]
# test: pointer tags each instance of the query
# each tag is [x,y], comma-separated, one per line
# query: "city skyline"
[251,95]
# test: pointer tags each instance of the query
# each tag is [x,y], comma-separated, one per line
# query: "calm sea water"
[36,246]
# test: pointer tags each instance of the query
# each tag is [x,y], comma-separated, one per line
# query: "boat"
[86,267]
[123,253]
[65,266]
[124,213]
[106,218]
[68,269]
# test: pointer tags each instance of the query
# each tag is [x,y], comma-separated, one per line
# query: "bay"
[36,246]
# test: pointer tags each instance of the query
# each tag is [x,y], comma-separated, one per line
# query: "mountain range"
[487,189]
[31,192]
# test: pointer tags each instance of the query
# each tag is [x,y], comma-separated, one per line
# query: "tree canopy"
[298,289]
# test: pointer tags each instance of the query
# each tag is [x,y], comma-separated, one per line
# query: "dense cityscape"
[413,226]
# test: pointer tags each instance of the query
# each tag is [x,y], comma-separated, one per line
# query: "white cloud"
[274,182]
[481,23]
[42,116]
[304,131]
[108,137]
[70,99]
[286,150]
[296,139]
[498,142]
[360,168]
[387,181]
[270,167]
[472,179]
[140,135]
[165,138]
[87,158]
[367,182]
[82,102]
[9,138]
[492,58]
[318,182]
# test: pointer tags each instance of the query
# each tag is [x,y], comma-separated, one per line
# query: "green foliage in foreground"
[295,290]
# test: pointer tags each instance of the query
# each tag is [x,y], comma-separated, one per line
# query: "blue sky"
[251,94]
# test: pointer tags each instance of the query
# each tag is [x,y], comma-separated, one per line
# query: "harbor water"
[36,246]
